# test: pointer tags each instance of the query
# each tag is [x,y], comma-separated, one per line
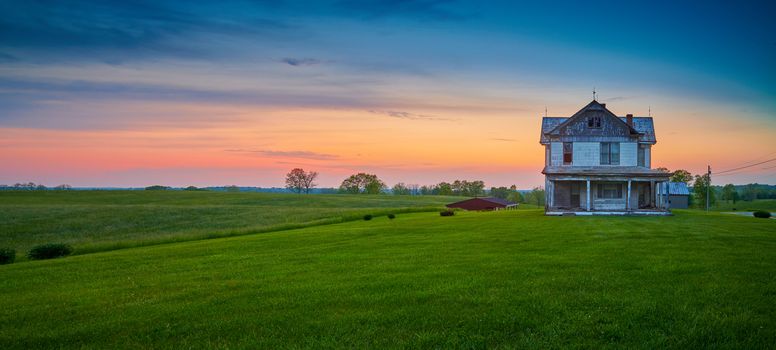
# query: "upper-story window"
[594,122]
[642,155]
[610,153]
[568,153]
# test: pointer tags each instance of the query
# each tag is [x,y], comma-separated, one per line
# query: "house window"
[609,191]
[594,122]
[568,153]
[610,153]
[642,156]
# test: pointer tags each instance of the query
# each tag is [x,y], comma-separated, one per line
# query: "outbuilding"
[483,203]
[678,195]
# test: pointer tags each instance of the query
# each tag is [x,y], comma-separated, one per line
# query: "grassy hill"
[475,280]
[104,220]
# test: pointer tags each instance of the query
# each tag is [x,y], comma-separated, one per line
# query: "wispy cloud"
[4,57]
[504,140]
[120,31]
[286,154]
[414,9]
[299,62]
[408,115]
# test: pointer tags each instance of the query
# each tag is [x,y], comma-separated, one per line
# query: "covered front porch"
[599,194]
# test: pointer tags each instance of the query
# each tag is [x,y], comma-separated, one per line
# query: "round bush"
[368,217]
[7,256]
[391,216]
[49,251]
[446,213]
[762,214]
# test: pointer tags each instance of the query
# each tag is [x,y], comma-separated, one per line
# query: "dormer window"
[594,122]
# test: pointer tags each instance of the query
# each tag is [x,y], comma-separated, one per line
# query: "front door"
[574,195]
[644,196]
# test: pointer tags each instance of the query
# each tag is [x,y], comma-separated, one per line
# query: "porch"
[605,195]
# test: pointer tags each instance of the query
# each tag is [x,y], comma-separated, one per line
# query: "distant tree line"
[31,186]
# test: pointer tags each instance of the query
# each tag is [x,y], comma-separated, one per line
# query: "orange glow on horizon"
[500,147]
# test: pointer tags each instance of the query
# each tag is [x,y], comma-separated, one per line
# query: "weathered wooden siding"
[547,156]
[556,153]
[629,153]
[587,153]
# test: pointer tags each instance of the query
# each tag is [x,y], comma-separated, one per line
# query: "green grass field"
[105,220]
[761,204]
[510,279]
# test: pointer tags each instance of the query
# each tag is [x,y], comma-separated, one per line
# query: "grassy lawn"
[476,280]
[103,220]
[760,204]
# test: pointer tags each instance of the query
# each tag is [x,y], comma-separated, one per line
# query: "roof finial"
[545,111]
[594,93]
[650,110]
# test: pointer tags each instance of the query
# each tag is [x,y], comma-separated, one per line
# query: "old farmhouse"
[597,163]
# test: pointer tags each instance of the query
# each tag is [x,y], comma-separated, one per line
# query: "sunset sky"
[140,93]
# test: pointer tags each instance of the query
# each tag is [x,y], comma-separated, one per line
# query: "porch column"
[652,193]
[587,198]
[627,197]
[550,195]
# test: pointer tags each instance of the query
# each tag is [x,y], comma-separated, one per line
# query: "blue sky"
[80,66]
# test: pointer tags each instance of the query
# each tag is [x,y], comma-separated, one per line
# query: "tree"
[474,188]
[537,196]
[682,175]
[362,183]
[500,192]
[750,192]
[729,193]
[400,189]
[444,189]
[699,191]
[299,181]
[63,187]
[516,197]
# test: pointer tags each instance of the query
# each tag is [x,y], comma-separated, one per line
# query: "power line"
[745,171]
[753,160]
[746,166]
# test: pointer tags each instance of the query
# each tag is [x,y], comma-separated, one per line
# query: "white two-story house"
[599,163]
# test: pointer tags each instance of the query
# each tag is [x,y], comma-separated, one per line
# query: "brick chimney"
[629,119]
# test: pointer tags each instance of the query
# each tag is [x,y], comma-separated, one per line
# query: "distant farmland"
[104,220]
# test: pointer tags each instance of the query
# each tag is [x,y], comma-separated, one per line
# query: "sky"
[137,93]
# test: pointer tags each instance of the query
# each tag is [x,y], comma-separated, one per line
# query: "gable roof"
[678,188]
[594,107]
[643,126]
[498,200]
[493,200]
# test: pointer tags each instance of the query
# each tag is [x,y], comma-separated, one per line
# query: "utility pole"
[708,188]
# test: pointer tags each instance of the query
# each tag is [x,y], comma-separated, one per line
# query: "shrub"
[446,213]
[368,217]
[391,216]
[7,256]
[762,214]
[49,251]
